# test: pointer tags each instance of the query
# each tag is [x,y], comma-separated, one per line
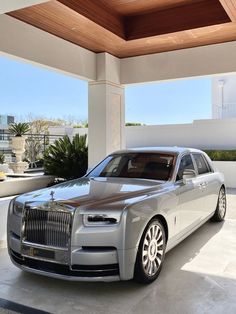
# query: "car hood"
[92,190]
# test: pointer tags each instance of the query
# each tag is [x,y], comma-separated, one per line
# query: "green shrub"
[19,129]
[67,159]
[2,159]
[133,124]
[222,155]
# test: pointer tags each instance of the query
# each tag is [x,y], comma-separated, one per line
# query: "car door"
[190,196]
[208,184]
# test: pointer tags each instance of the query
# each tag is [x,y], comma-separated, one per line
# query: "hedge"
[222,155]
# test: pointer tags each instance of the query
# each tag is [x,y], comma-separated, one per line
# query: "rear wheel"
[151,253]
[220,211]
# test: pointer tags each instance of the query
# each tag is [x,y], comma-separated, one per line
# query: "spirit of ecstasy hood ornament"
[52,194]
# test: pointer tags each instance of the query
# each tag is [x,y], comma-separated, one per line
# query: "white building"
[224,97]
[4,138]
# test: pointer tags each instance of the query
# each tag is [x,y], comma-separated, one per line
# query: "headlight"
[102,219]
[17,208]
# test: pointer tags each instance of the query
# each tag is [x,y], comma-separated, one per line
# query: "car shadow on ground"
[174,260]
[177,290]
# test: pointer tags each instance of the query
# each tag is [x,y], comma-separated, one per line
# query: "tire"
[220,211]
[151,253]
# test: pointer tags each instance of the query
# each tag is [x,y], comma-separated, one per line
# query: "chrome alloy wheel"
[222,203]
[152,252]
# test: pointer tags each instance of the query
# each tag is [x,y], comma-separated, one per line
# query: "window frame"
[210,170]
[177,168]
[172,154]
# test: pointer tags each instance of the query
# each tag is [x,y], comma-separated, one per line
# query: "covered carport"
[112,44]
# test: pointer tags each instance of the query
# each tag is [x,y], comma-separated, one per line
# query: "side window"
[185,163]
[201,164]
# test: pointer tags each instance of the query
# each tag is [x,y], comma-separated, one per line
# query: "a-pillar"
[106,116]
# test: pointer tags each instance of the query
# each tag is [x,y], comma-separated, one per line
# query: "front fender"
[139,214]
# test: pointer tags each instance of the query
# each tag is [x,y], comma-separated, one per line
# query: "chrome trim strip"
[37,258]
[93,270]
[44,247]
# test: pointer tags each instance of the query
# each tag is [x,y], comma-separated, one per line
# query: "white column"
[106,110]
[218,105]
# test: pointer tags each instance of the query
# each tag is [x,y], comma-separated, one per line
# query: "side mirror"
[188,174]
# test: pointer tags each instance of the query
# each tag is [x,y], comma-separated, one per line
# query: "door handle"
[202,185]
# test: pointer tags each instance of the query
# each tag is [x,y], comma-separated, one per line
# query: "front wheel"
[151,253]
[220,211]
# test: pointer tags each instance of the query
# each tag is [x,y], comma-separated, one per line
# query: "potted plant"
[18,141]
[18,145]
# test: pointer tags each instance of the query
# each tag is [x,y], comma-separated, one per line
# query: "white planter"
[18,142]
[26,183]
[18,148]
[19,166]
[228,168]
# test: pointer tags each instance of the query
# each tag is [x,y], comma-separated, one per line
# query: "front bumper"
[79,273]
[85,263]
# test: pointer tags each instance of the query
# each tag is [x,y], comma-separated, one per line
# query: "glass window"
[201,164]
[155,166]
[185,163]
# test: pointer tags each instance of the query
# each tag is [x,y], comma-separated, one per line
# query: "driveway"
[199,276]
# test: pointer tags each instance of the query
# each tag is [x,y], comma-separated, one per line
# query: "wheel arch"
[162,219]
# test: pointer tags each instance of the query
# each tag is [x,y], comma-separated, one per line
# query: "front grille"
[50,228]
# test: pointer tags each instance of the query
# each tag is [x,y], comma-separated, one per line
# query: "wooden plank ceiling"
[128,28]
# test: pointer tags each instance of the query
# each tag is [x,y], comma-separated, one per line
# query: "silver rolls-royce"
[119,220]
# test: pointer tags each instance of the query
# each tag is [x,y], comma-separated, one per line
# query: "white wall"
[205,134]
[185,63]
[36,46]
[228,168]
[61,130]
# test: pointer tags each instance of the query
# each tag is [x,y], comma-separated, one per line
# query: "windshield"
[155,166]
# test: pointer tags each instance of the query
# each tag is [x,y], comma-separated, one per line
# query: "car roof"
[168,149]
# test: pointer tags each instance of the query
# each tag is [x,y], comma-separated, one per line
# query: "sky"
[27,89]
